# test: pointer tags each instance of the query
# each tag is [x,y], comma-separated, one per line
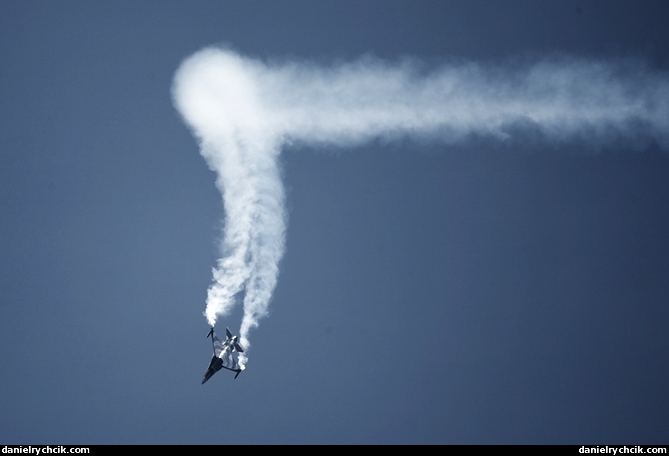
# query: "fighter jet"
[223,357]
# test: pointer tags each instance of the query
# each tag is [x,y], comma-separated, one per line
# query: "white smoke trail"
[243,111]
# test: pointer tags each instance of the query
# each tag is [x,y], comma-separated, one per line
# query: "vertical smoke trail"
[242,111]
[253,243]
[253,195]
[220,104]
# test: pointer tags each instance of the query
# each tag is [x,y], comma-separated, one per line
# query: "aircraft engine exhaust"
[242,111]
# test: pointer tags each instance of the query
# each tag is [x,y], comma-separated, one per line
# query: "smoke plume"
[243,111]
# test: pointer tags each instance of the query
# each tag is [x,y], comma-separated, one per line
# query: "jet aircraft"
[223,358]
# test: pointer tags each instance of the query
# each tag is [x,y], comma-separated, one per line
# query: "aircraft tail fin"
[211,331]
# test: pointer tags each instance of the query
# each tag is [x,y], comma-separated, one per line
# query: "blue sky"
[484,291]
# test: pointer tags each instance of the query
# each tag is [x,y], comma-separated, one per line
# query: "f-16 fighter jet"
[223,354]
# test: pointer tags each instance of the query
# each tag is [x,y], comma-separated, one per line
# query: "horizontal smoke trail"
[243,110]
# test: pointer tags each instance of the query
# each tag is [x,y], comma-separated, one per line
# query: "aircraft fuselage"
[214,366]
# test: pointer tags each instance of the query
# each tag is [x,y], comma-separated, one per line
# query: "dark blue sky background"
[482,292]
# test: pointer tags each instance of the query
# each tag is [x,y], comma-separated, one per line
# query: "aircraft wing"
[230,362]
[218,346]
